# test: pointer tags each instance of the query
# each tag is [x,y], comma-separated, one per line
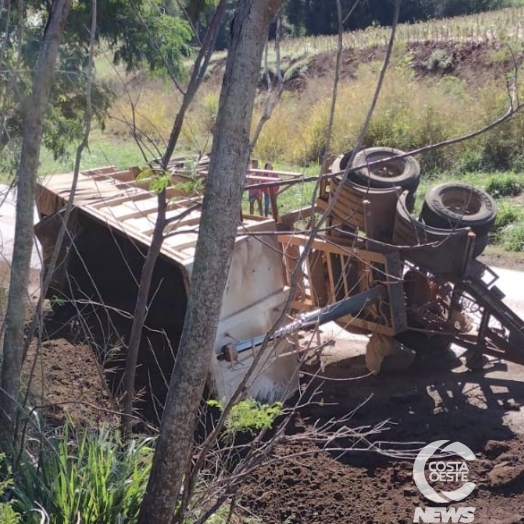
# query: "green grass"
[505,185]
[93,477]
[89,477]
[105,149]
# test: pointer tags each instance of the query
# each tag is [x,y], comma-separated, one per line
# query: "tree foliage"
[139,34]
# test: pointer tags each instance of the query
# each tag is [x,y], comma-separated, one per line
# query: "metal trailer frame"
[361,234]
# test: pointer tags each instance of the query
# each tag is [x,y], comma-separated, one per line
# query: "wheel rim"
[461,202]
[391,169]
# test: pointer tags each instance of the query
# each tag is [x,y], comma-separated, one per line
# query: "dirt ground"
[474,63]
[438,398]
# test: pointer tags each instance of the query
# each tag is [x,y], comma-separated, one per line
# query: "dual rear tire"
[454,205]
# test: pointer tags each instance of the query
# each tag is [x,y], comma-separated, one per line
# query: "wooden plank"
[97,170]
[367,325]
[261,179]
[294,174]
[184,223]
[274,205]
[317,278]
[113,175]
[331,280]
[322,205]
[339,249]
[131,196]
[173,204]
[345,263]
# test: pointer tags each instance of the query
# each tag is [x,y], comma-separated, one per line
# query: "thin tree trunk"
[218,224]
[24,236]
[140,313]
[157,239]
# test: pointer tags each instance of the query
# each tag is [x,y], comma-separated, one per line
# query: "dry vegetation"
[420,104]
[446,78]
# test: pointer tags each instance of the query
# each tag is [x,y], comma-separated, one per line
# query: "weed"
[439,60]
[56,302]
[249,416]
[90,478]
[504,186]
[512,237]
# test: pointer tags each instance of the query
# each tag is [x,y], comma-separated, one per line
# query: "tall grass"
[92,478]
[411,113]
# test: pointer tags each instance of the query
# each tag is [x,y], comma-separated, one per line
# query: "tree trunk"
[24,236]
[218,224]
[157,240]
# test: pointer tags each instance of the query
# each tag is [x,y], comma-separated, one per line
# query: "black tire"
[451,205]
[340,163]
[345,159]
[439,251]
[401,172]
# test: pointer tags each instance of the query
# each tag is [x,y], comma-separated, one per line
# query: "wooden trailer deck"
[117,199]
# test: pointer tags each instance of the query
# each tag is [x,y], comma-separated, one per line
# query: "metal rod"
[347,306]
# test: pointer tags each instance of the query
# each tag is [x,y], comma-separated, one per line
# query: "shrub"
[249,416]
[504,186]
[439,60]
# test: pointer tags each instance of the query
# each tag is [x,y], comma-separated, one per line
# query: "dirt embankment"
[475,63]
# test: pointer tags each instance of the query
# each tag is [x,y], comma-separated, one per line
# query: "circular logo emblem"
[441,468]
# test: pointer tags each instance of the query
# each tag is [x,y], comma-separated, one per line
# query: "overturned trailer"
[374,268]
[108,234]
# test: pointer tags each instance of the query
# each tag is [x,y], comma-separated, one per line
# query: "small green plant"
[7,513]
[195,183]
[56,301]
[440,60]
[249,416]
[504,186]
[157,179]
